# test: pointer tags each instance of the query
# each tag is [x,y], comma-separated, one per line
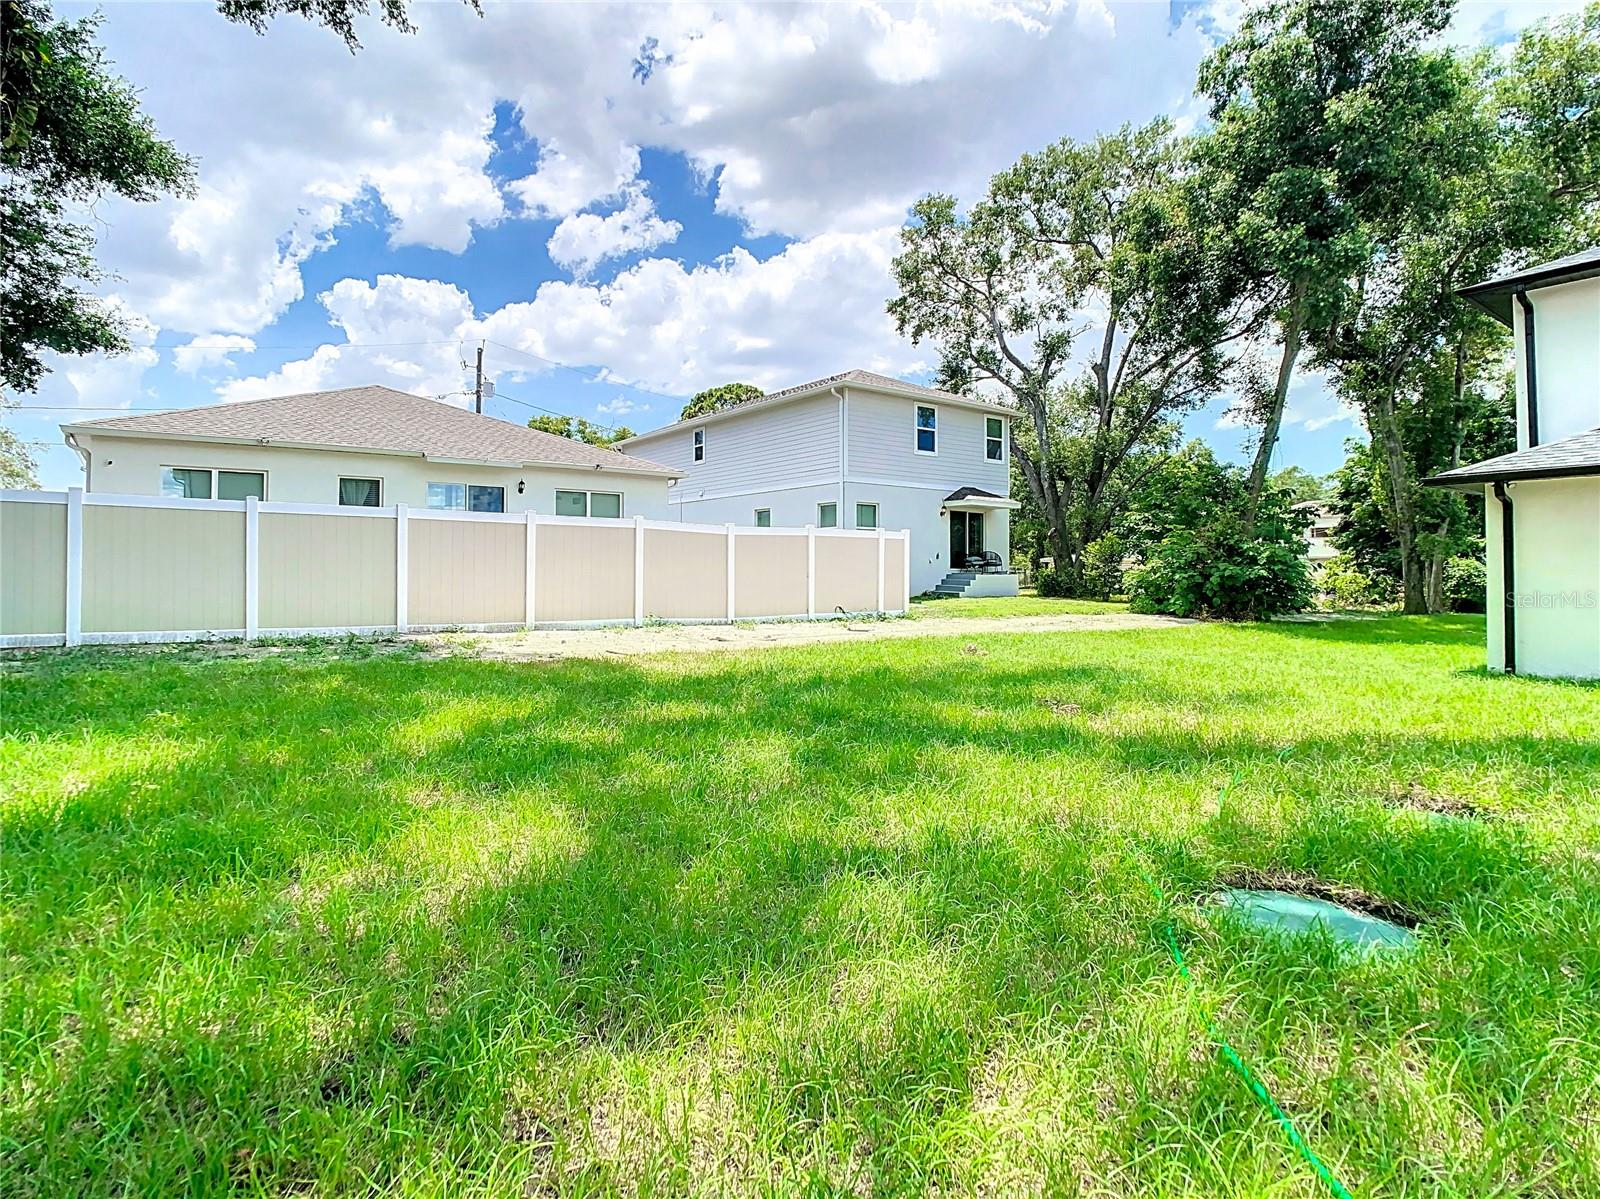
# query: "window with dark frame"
[994,439]
[699,445]
[927,429]
[360,493]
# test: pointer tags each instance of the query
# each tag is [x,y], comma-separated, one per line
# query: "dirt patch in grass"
[1310,887]
[1415,797]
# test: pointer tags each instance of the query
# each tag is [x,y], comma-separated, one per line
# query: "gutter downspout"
[1530,368]
[844,449]
[1508,577]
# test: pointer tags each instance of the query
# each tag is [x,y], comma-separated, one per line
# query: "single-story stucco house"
[365,447]
[1542,502]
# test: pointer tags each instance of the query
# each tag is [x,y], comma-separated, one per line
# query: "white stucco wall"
[1566,333]
[132,466]
[1557,575]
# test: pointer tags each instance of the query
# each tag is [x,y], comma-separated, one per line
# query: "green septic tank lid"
[1282,912]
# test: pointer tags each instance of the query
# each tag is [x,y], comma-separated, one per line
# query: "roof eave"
[1472,481]
[820,388]
[654,471]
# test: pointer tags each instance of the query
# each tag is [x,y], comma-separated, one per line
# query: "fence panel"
[685,574]
[769,574]
[164,569]
[847,574]
[466,572]
[584,572]
[145,568]
[326,572]
[33,568]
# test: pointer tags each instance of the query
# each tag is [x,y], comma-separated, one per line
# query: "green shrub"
[1218,569]
[1341,583]
[1466,585]
[1102,567]
[1050,583]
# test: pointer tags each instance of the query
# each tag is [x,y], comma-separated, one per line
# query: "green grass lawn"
[1027,604]
[859,919]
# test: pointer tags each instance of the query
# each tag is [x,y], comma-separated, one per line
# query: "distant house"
[1542,502]
[1321,523]
[364,447]
[857,450]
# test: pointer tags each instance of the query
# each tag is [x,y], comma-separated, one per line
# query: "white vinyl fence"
[83,569]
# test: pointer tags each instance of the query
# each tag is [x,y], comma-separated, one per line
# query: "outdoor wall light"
[521,486]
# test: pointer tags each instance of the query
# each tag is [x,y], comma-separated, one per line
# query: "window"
[447,495]
[589,503]
[927,429]
[699,445]
[763,518]
[204,483]
[866,516]
[360,493]
[994,439]
[827,516]
[486,499]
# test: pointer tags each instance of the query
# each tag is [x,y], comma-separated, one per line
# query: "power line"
[579,372]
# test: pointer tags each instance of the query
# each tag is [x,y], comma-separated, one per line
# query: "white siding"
[1566,334]
[789,444]
[882,443]
[1557,577]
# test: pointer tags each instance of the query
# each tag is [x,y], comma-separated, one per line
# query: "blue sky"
[617,243]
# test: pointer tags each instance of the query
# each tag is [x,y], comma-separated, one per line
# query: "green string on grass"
[1235,1062]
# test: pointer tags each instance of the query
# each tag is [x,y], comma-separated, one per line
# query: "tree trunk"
[1385,427]
[1293,331]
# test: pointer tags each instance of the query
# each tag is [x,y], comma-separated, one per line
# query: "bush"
[1466,585]
[1340,583]
[1102,567]
[1219,570]
[1050,583]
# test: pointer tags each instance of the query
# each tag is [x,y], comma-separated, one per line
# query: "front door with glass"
[966,537]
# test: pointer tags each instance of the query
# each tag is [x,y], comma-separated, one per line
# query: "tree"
[72,131]
[578,429]
[1300,485]
[1482,195]
[1313,107]
[17,468]
[715,399]
[338,15]
[1111,227]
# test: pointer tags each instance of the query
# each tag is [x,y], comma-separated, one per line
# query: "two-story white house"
[857,450]
[1542,502]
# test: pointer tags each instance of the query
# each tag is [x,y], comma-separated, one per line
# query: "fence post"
[252,567]
[638,570]
[402,567]
[530,577]
[881,536]
[811,570]
[729,528]
[74,616]
[905,549]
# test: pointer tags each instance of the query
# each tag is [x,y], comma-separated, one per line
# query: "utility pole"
[477,387]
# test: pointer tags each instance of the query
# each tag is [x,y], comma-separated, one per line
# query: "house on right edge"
[1542,503]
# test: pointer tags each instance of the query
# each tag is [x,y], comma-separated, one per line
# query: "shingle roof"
[1575,455]
[853,378]
[379,419]
[971,493]
[1494,295]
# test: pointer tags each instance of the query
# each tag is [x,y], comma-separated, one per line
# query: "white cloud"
[431,319]
[561,186]
[209,350]
[621,406]
[582,242]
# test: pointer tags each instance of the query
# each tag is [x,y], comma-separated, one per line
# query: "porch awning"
[975,499]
